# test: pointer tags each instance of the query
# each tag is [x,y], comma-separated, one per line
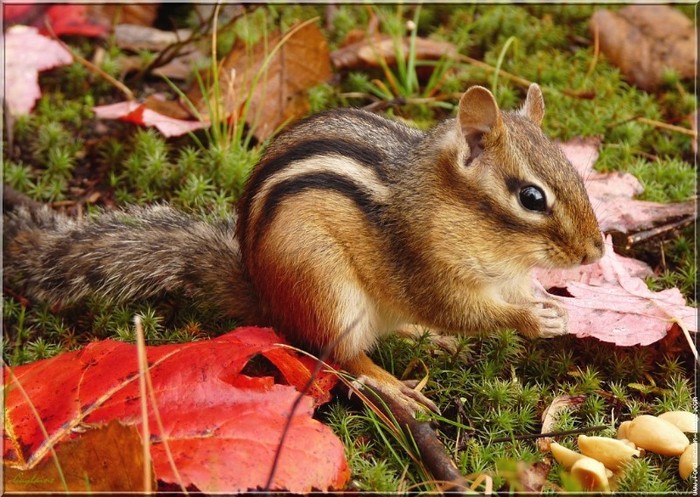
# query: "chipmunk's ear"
[478,115]
[534,104]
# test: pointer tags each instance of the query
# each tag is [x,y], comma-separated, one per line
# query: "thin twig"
[646,235]
[657,124]
[670,127]
[169,53]
[596,53]
[90,66]
[533,436]
[432,451]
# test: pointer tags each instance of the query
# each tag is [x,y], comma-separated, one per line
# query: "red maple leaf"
[221,426]
[72,19]
[140,113]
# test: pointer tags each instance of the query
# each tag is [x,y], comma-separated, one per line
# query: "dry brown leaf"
[369,51]
[550,415]
[645,40]
[532,477]
[279,95]
[106,459]
[181,66]
[136,37]
[167,108]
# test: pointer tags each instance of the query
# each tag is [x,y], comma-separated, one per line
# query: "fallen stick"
[432,452]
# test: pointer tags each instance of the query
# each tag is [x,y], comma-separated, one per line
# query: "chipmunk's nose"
[593,251]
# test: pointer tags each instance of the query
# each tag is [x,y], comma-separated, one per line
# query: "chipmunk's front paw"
[551,316]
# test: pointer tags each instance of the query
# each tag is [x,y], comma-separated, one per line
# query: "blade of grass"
[499,62]
[145,430]
[156,413]
[412,75]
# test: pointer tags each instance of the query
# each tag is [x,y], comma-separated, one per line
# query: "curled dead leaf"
[136,37]
[645,40]
[371,50]
[551,414]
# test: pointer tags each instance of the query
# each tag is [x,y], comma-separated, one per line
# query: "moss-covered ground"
[494,388]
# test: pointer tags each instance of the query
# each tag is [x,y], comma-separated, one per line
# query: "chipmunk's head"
[511,194]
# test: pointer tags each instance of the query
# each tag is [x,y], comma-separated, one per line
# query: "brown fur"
[350,227]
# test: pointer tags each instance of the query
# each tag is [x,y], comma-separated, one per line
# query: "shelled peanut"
[655,435]
[601,457]
[688,461]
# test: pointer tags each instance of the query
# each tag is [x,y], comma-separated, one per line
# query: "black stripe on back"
[366,156]
[369,157]
[328,181]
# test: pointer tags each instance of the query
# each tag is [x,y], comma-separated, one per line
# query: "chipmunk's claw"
[400,393]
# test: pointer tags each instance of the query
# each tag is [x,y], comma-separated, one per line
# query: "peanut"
[622,430]
[685,421]
[590,474]
[614,454]
[565,457]
[688,461]
[657,435]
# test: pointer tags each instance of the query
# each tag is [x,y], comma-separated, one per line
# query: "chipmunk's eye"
[533,198]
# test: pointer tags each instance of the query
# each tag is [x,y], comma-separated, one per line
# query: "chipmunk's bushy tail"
[124,255]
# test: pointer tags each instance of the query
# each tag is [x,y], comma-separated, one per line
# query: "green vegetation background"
[493,387]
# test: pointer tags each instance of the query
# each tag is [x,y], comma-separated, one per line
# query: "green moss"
[491,388]
[665,180]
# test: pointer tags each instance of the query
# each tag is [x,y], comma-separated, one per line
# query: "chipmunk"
[350,226]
